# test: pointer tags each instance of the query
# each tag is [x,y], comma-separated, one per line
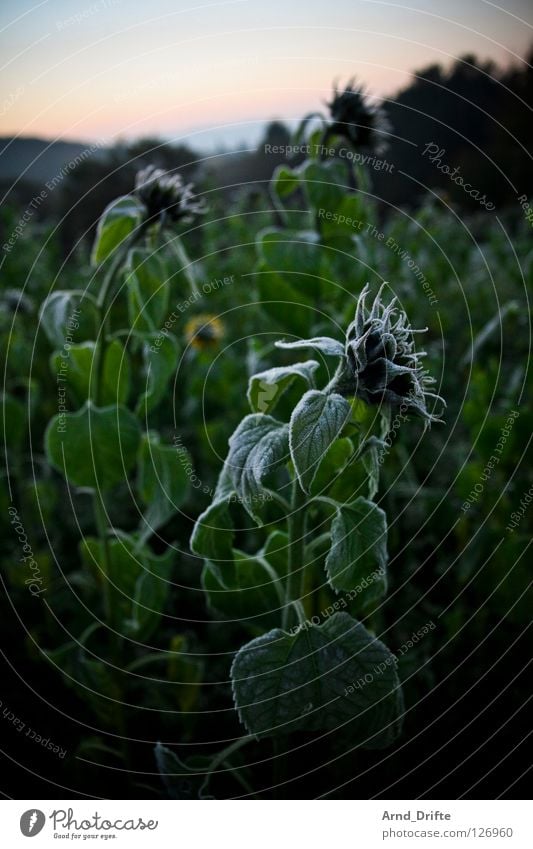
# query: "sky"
[214,73]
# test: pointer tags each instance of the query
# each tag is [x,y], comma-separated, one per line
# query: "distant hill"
[39,160]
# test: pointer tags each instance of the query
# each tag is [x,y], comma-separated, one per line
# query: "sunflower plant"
[114,358]
[307,481]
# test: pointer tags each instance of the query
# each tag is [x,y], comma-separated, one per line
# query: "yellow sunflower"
[204,331]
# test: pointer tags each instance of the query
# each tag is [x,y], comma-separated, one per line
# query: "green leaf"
[96,683]
[160,356]
[257,448]
[151,592]
[247,593]
[296,254]
[138,581]
[291,310]
[182,779]
[14,422]
[266,388]
[95,447]
[75,370]
[325,344]
[116,223]
[163,482]
[186,671]
[68,317]
[358,552]
[285,181]
[124,568]
[212,537]
[315,680]
[316,422]
[370,452]
[333,463]
[117,373]
[148,290]
[348,219]
[286,250]
[325,184]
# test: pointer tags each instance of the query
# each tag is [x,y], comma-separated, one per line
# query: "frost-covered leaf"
[212,537]
[266,388]
[316,422]
[69,317]
[358,553]
[321,678]
[325,344]
[258,447]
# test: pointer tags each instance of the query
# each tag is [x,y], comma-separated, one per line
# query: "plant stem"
[187,266]
[296,528]
[101,527]
[99,508]
[101,304]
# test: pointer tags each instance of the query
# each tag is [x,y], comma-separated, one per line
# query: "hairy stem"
[187,266]
[296,528]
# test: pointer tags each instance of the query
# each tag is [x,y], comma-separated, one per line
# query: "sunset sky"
[214,72]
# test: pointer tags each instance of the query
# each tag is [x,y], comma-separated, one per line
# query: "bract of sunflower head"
[166,196]
[382,365]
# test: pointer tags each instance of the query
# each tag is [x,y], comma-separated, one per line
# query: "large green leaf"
[95,447]
[248,593]
[148,290]
[266,387]
[357,558]
[295,254]
[76,371]
[163,480]
[321,678]
[316,422]
[325,185]
[117,222]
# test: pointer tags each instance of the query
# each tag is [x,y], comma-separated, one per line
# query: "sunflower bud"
[381,364]
[358,121]
[166,196]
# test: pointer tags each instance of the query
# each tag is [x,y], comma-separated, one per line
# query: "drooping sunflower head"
[204,331]
[166,196]
[382,361]
[354,118]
